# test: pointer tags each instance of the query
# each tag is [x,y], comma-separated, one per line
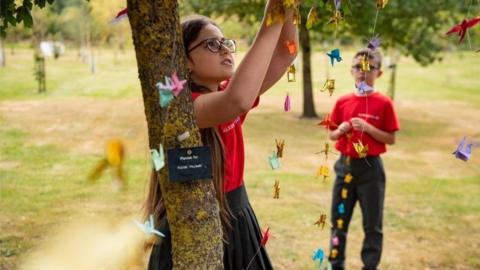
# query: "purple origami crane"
[374,43]
[463,152]
[337,4]
[287,103]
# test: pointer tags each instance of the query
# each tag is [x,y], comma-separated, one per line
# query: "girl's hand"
[360,124]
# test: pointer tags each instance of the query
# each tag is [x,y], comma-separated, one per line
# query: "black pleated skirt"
[243,248]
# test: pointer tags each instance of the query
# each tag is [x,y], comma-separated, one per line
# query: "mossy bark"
[192,208]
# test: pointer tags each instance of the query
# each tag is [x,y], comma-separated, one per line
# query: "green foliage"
[11,14]
[416,28]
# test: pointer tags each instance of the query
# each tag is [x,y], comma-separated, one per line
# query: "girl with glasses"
[222,97]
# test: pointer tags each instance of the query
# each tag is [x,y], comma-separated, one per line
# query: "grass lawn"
[50,142]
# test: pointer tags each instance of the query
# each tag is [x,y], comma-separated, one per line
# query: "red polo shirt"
[232,138]
[376,109]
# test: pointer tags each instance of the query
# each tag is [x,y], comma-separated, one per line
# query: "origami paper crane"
[340,223]
[462,27]
[335,55]
[365,64]
[334,253]
[121,15]
[297,18]
[335,241]
[324,172]
[327,122]
[374,43]
[280,144]
[382,3]
[291,46]
[158,158]
[337,4]
[274,162]
[344,193]
[291,73]
[265,237]
[114,159]
[165,98]
[348,178]
[276,14]
[363,87]
[362,150]
[336,18]
[168,85]
[312,18]
[276,190]
[341,208]
[326,150]
[318,255]
[148,227]
[329,86]
[177,84]
[463,152]
[321,221]
[287,104]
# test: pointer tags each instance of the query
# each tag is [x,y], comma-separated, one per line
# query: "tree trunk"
[391,86]
[2,53]
[308,104]
[192,208]
[395,56]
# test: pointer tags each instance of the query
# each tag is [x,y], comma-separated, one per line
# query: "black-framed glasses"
[215,45]
[359,67]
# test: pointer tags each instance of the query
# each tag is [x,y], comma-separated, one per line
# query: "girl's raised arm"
[244,87]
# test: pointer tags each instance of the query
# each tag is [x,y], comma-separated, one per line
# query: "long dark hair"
[191,28]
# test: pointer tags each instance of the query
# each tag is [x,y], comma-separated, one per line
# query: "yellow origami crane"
[348,178]
[297,18]
[340,223]
[365,64]
[321,221]
[382,3]
[291,73]
[312,18]
[334,253]
[324,172]
[114,158]
[276,190]
[362,150]
[344,193]
[326,150]
[336,18]
[329,86]
[276,14]
[280,144]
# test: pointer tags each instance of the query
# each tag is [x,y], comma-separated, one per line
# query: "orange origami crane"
[327,122]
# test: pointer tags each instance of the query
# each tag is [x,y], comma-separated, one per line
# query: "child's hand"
[344,127]
[360,124]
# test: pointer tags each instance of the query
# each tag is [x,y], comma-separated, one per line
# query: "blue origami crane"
[274,162]
[341,208]
[335,55]
[463,152]
[318,255]
[148,228]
